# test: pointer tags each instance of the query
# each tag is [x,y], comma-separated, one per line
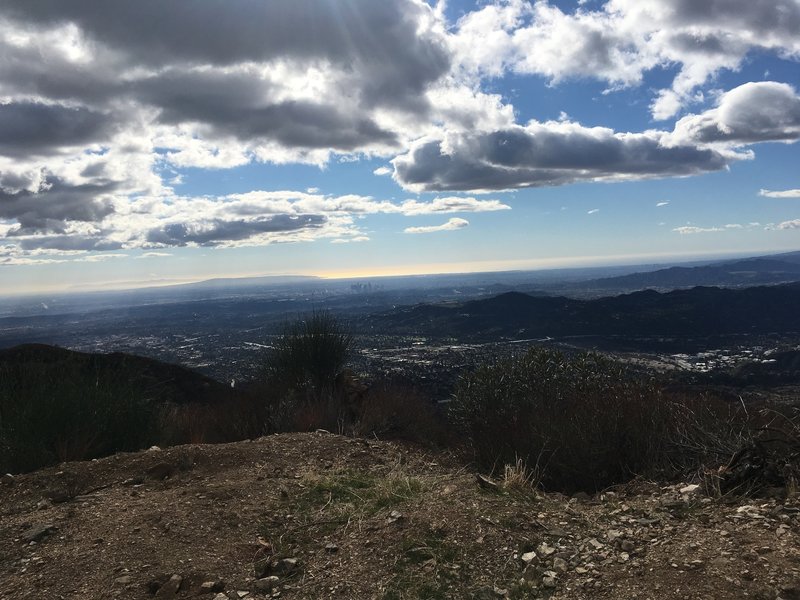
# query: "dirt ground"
[322,516]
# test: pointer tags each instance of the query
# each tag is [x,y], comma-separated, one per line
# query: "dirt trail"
[324,516]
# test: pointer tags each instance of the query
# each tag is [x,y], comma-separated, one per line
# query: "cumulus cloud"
[793,224]
[450,225]
[780,193]
[254,218]
[623,39]
[547,154]
[562,152]
[219,231]
[100,102]
[261,73]
[753,112]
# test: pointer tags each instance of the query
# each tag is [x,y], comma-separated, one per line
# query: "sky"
[152,142]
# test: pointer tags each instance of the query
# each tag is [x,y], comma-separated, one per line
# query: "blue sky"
[362,138]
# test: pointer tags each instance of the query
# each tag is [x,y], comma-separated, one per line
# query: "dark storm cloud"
[50,209]
[546,155]
[219,230]
[79,243]
[29,128]
[234,104]
[379,41]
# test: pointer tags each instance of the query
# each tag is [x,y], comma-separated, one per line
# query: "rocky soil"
[324,516]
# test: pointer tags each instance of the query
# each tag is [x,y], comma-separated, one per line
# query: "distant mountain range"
[766,270]
[697,311]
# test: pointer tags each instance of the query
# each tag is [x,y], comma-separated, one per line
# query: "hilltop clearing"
[318,515]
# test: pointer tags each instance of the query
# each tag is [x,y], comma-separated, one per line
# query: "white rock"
[544,550]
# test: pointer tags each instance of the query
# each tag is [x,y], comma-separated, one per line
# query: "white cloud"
[793,224]
[380,171]
[691,229]
[593,211]
[664,203]
[688,229]
[357,238]
[780,193]
[753,112]
[451,204]
[254,218]
[451,225]
[624,39]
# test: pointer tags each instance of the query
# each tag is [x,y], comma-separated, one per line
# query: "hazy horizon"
[564,263]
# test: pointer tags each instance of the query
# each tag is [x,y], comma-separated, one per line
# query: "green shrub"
[300,374]
[309,354]
[584,420]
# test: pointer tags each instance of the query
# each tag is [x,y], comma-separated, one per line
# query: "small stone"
[262,567]
[170,588]
[331,548]
[529,557]
[285,567]
[612,535]
[690,490]
[549,581]
[266,584]
[7,479]
[209,587]
[560,565]
[124,580]
[37,533]
[719,561]
[395,516]
[544,550]
[530,573]
[627,546]
[221,596]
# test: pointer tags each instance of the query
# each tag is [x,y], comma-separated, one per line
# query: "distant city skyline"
[359,138]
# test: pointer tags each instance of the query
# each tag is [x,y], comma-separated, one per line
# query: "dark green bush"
[309,354]
[58,411]
[301,370]
[584,419]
